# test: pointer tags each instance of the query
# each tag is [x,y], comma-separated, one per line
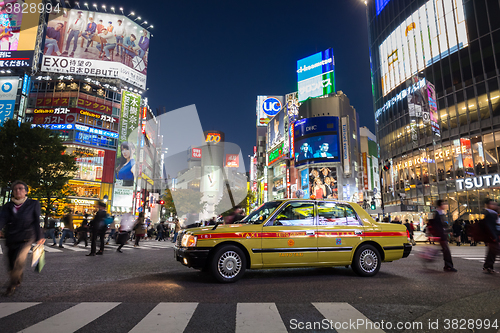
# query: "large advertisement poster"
[18,31]
[323,183]
[276,130]
[315,75]
[435,30]
[8,92]
[317,140]
[96,44]
[126,168]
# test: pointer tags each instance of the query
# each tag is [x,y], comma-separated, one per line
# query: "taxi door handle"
[309,232]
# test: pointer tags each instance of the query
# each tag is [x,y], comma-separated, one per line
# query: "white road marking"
[166,317]
[51,249]
[6,309]
[75,248]
[258,317]
[72,319]
[345,313]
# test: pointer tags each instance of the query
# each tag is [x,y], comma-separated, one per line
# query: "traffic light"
[387,166]
[161,202]
[373,206]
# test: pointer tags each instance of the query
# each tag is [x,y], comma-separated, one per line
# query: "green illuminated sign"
[276,154]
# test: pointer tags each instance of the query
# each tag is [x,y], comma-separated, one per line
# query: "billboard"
[346,155]
[232,160]
[323,183]
[267,108]
[96,44]
[316,75]
[125,171]
[435,30]
[18,31]
[276,130]
[317,140]
[8,92]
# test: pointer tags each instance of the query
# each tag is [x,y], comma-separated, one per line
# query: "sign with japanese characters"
[66,115]
[8,92]
[82,102]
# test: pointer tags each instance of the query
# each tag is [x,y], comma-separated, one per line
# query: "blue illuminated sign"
[54,126]
[380,4]
[316,75]
[96,131]
[317,140]
[271,106]
[26,84]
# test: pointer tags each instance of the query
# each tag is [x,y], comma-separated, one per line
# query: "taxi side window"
[351,217]
[295,214]
[331,213]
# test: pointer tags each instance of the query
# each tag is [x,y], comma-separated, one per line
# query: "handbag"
[38,259]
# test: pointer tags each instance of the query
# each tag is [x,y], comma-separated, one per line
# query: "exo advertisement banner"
[125,171]
[276,130]
[18,31]
[96,44]
[315,75]
[317,140]
[267,108]
[323,183]
[8,92]
[435,30]
[232,160]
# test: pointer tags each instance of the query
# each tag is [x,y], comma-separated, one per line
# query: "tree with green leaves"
[183,201]
[36,156]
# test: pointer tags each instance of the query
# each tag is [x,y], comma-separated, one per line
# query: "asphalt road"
[146,290]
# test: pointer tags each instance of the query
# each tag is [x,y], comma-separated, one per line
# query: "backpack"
[105,222]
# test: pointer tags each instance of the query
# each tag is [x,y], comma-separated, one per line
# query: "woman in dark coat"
[21,218]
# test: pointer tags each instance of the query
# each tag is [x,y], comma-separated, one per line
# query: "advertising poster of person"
[276,130]
[316,140]
[126,170]
[323,183]
[18,31]
[317,147]
[96,44]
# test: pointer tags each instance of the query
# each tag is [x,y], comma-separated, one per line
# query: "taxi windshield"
[262,213]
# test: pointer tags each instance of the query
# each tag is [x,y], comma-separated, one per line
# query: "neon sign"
[213,137]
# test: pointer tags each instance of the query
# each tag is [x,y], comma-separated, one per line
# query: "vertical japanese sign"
[345,146]
[125,170]
[365,172]
[8,92]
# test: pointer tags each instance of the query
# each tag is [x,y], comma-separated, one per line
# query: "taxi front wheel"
[228,264]
[366,261]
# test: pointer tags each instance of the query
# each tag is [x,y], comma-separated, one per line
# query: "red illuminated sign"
[196,152]
[213,137]
[232,160]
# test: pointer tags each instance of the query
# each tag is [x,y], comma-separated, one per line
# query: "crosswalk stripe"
[74,248]
[72,319]
[267,315]
[6,309]
[345,313]
[51,249]
[172,317]
[481,258]
[1,250]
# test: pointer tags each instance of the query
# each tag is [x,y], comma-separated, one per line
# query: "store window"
[457,158]
[89,162]
[478,155]
[490,153]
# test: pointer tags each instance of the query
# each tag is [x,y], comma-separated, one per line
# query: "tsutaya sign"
[478,182]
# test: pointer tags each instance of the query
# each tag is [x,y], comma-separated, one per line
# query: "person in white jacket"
[110,43]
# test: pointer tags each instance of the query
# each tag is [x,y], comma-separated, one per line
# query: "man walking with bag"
[439,225]
[492,228]
[98,227]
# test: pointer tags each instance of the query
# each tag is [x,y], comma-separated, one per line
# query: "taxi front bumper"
[195,257]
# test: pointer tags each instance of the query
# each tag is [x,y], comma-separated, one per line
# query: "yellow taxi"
[294,233]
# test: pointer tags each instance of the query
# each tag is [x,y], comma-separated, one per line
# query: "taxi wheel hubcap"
[368,260]
[229,264]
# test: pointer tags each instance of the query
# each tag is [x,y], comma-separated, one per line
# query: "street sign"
[374,190]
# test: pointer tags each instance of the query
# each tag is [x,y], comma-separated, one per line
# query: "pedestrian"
[409,227]
[52,230]
[177,228]
[69,229]
[492,226]
[140,229]
[160,229]
[457,231]
[112,231]
[21,219]
[97,229]
[439,227]
[126,225]
[83,229]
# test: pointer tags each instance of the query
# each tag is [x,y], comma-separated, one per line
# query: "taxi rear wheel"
[228,264]
[366,261]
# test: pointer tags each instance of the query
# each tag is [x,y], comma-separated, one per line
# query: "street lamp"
[105,198]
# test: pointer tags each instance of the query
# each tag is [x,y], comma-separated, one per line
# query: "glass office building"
[435,70]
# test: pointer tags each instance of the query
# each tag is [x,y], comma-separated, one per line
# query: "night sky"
[220,55]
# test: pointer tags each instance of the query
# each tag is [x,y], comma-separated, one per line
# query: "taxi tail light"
[408,235]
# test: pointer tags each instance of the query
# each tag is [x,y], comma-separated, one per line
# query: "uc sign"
[271,106]
[213,137]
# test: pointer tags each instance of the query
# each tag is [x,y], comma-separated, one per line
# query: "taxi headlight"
[189,241]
